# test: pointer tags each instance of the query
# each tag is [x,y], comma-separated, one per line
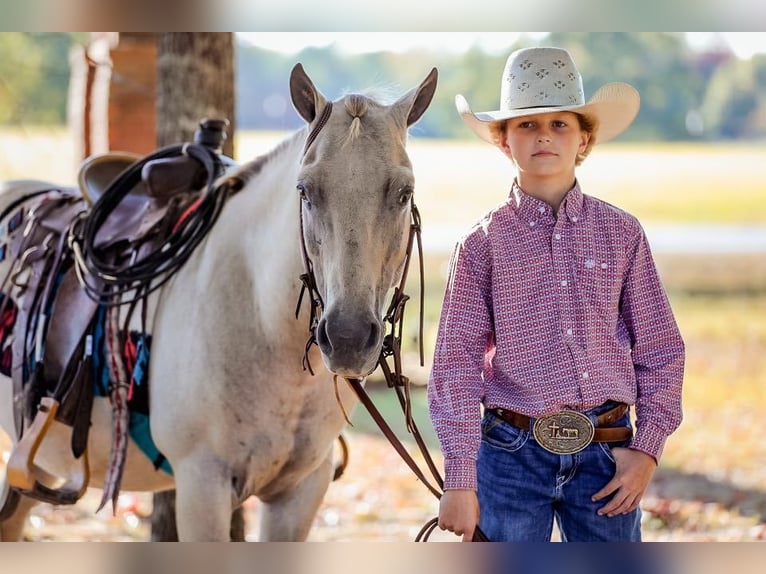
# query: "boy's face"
[545,145]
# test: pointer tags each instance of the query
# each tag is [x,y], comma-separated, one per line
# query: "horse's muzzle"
[350,346]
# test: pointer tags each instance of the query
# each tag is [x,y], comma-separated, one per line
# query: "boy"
[555,321]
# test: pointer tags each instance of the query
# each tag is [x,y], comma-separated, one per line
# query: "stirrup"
[23,474]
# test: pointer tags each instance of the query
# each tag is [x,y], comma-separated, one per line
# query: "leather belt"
[568,432]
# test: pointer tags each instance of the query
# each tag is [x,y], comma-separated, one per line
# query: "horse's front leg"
[12,527]
[289,516]
[203,499]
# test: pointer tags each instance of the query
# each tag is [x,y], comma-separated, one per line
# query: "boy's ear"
[505,148]
[584,139]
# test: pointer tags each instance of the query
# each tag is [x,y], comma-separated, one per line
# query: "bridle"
[391,349]
[308,279]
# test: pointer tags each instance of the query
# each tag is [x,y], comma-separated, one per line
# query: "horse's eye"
[304,196]
[405,194]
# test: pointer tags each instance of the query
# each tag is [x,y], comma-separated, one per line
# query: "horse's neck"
[253,251]
[262,219]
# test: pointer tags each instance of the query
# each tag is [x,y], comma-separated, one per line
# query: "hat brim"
[613,107]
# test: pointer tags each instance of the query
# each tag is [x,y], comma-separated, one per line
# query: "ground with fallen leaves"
[378,499]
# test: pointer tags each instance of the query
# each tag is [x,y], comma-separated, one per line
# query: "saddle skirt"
[49,316]
[70,292]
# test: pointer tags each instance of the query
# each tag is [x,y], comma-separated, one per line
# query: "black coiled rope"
[108,282]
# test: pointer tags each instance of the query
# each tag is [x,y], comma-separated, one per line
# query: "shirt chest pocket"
[598,279]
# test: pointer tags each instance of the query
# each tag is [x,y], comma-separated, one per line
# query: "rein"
[391,349]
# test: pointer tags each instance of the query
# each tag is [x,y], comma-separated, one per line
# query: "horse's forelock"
[356,106]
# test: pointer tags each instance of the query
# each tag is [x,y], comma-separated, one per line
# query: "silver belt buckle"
[565,432]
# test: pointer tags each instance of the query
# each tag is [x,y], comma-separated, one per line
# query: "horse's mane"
[247,171]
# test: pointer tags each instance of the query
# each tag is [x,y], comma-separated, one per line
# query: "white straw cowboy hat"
[542,80]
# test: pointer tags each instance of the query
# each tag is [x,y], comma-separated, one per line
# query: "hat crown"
[540,77]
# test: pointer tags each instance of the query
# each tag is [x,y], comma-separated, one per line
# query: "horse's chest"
[288,450]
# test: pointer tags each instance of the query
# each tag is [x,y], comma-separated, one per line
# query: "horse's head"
[356,187]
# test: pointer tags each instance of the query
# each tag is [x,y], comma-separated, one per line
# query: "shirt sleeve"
[657,350]
[456,384]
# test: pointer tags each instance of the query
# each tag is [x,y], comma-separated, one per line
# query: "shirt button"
[574,218]
[569,331]
[585,375]
[564,283]
[531,223]
[557,236]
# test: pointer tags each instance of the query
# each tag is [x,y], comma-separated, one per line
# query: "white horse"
[232,407]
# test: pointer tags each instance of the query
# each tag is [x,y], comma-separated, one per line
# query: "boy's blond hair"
[587,124]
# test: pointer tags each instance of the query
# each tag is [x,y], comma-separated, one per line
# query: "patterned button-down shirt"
[546,312]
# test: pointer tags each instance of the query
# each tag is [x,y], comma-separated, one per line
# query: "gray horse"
[232,407]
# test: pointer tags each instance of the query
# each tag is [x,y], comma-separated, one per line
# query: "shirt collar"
[572,204]
[532,209]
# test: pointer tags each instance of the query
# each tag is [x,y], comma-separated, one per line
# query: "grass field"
[457,181]
[716,457]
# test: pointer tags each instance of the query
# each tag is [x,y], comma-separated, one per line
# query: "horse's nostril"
[323,340]
[372,340]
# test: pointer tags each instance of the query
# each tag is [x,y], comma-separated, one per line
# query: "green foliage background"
[680,88]
[34,77]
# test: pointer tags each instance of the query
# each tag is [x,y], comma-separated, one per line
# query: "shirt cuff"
[460,473]
[649,439]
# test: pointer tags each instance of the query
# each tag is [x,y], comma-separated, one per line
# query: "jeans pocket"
[607,447]
[607,451]
[500,434]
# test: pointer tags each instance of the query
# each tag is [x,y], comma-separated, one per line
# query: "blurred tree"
[34,77]
[657,64]
[676,83]
[195,75]
[735,101]
[18,73]
[476,75]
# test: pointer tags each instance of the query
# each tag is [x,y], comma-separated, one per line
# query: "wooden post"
[112,94]
[132,112]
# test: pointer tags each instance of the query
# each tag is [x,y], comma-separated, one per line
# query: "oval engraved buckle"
[566,432]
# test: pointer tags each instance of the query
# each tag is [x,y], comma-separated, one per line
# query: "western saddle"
[126,208]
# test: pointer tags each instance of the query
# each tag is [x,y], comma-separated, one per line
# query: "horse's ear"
[416,101]
[306,99]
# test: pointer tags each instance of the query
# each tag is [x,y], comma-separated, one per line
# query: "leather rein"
[391,350]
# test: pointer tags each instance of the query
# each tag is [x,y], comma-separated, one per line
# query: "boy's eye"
[559,124]
[526,125]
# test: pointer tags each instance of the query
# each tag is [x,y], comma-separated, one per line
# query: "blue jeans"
[523,487]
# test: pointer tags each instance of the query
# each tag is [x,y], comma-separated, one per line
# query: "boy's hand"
[459,512]
[634,471]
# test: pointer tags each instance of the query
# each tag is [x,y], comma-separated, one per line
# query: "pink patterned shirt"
[543,313]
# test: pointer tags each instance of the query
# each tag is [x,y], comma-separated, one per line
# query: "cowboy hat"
[542,80]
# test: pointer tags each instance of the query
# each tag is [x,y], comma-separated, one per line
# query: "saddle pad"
[137,355]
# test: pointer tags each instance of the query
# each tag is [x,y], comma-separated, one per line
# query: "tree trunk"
[195,80]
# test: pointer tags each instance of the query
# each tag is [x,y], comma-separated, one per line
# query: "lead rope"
[401,384]
[394,379]
[391,348]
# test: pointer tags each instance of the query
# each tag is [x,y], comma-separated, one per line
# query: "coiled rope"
[107,281]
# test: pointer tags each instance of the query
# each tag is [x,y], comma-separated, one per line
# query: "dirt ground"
[378,499]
